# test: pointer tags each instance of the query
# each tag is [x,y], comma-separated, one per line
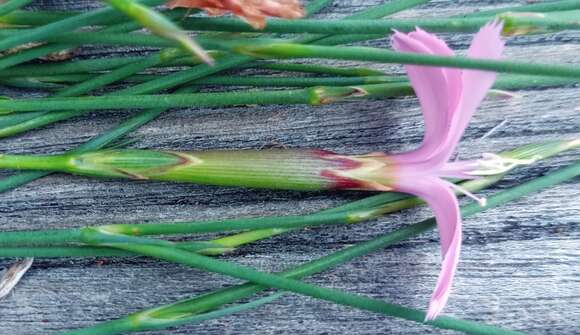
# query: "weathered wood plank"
[520,265]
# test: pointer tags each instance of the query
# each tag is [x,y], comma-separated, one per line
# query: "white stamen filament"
[481,200]
[494,129]
[495,164]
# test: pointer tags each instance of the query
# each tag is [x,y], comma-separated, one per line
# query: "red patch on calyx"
[342,183]
[342,162]
[338,174]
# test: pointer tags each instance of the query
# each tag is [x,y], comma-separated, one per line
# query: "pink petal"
[439,47]
[446,208]
[459,169]
[448,99]
[486,44]
[431,87]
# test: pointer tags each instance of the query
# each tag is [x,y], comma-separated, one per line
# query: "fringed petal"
[453,76]
[448,98]
[432,89]
[486,44]
[447,109]
[444,204]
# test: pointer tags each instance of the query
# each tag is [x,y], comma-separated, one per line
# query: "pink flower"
[448,98]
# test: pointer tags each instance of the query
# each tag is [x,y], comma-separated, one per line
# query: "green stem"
[98,81]
[296,286]
[60,252]
[99,16]
[139,39]
[182,77]
[358,211]
[283,281]
[542,7]
[160,25]
[84,251]
[304,170]
[289,50]
[176,80]
[339,215]
[96,143]
[169,315]
[322,69]
[375,12]
[34,18]
[123,128]
[157,24]
[45,237]
[25,18]
[30,54]
[15,124]
[112,36]
[285,222]
[58,80]
[38,247]
[237,60]
[316,6]
[365,209]
[96,38]
[274,81]
[518,82]
[503,82]
[312,96]
[68,78]
[87,68]
[547,22]
[12,5]
[29,83]
[159,319]
[387,9]
[11,126]
[388,202]
[35,52]
[553,6]
[120,73]
[281,169]
[77,66]
[200,71]
[54,163]
[305,51]
[115,38]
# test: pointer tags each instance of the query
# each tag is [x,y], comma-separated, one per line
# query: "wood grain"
[520,264]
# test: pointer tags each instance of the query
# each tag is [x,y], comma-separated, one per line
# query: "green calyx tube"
[283,169]
[304,170]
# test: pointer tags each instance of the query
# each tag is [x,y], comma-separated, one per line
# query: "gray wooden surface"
[520,265]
